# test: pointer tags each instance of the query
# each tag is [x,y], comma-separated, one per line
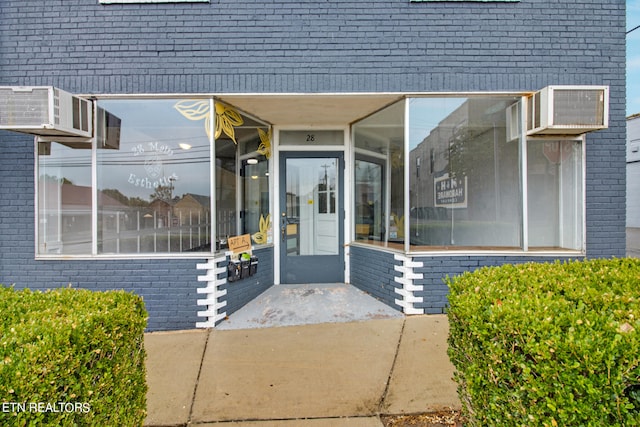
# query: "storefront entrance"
[311,218]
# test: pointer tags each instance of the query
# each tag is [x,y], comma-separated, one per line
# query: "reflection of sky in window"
[426,113]
[150,153]
[72,164]
[633,57]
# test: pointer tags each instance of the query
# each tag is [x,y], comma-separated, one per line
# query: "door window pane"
[312,223]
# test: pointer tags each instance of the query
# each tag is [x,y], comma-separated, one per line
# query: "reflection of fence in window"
[141,231]
[226,225]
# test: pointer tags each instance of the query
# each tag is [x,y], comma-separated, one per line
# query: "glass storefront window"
[464,184]
[164,166]
[154,184]
[369,202]
[226,192]
[64,199]
[156,180]
[256,219]
[554,175]
[253,140]
[379,193]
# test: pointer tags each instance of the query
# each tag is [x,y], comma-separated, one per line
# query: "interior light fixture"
[252,161]
[184,146]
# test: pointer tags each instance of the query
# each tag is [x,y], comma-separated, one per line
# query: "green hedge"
[72,357]
[553,344]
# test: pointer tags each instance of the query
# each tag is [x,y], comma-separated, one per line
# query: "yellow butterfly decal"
[265,143]
[260,237]
[226,117]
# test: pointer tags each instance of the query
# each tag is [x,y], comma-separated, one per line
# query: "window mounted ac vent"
[514,128]
[568,110]
[45,111]
[107,130]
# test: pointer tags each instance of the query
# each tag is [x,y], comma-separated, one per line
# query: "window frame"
[523,141]
[94,252]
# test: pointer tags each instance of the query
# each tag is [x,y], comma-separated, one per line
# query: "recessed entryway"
[289,305]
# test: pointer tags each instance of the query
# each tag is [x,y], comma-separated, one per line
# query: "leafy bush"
[72,357]
[553,344]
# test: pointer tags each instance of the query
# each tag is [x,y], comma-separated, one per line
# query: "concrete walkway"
[328,374]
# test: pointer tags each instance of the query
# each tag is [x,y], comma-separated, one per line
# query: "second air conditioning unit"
[568,110]
[45,111]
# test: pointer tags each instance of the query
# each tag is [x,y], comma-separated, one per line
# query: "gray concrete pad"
[289,305]
[173,364]
[422,378]
[312,371]
[315,422]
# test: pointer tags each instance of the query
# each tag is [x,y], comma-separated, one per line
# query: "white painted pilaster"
[407,292]
[211,292]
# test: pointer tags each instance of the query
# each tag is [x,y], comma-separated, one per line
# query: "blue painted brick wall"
[169,287]
[242,291]
[311,46]
[373,272]
[435,270]
[299,46]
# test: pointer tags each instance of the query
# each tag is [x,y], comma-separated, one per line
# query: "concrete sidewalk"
[330,374]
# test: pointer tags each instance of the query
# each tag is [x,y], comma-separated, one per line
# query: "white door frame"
[275,187]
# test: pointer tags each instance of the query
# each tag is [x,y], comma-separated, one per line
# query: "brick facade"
[231,46]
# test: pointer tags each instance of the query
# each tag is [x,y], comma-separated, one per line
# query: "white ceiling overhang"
[310,110]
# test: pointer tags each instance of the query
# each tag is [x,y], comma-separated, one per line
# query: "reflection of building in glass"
[464,187]
[192,209]
[65,211]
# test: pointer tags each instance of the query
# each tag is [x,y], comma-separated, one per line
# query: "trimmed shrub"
[553,344]
[72,357]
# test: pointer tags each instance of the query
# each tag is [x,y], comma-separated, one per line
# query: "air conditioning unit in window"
[568,110]
[107,130]
[45,111]
[514,128]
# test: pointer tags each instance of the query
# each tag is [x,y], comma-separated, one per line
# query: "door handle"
[283,229]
